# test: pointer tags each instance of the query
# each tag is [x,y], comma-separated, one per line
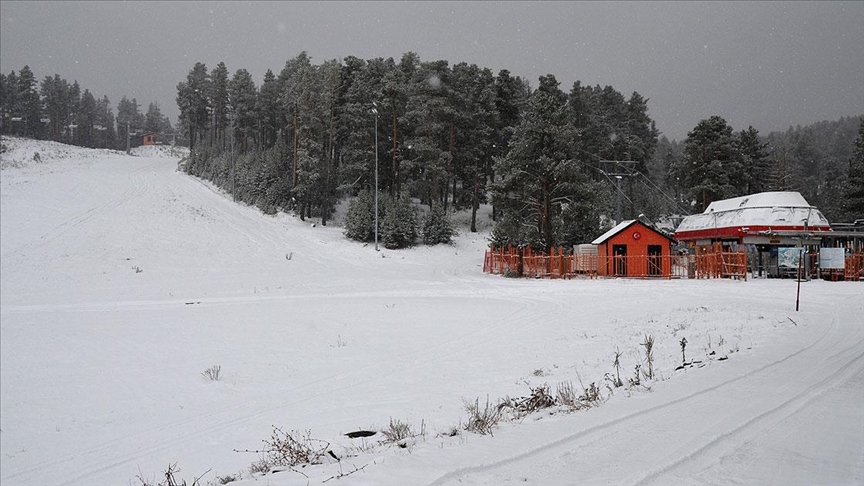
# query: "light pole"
[375,111]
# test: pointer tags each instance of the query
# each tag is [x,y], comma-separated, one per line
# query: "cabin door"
[619,257]
[655,260]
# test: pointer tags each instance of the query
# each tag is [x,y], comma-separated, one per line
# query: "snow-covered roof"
[756,212]
[787,199]
[614,231]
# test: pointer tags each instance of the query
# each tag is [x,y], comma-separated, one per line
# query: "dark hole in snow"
[360,433]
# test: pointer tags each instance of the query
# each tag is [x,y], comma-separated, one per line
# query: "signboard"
[832,258]
[788,257]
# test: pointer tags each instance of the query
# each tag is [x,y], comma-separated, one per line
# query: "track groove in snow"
[604,430]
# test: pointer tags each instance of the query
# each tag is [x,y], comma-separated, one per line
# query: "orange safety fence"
[854,266]
[560,264]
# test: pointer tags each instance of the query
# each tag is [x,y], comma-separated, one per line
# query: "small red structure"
[634,249]
[150,139]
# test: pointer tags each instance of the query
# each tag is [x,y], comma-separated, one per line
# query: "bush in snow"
[288,449]
[399,224]
[649,355]
[539,399]
[360,218]
[170,480]
[437,227]
[399,432]
[482,420]
[212,373]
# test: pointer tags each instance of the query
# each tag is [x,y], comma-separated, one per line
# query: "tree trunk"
[547,216]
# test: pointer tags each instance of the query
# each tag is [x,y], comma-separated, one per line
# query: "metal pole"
[233,164]
[798,296]
[128,140]
[618,213]
[376,178]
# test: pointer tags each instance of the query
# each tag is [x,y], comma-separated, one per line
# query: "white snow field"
[122,280]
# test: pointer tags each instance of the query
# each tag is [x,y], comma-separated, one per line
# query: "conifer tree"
[219,104]
[30,104]
[242,96]
[854,193]
[86,119]
[153,119]
[540,178]
[754,159]
[194,103]
[712,168]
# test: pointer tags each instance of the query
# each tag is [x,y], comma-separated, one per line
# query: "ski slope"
[123,279]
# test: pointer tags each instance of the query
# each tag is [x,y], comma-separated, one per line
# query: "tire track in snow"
[792,405]
[639,415]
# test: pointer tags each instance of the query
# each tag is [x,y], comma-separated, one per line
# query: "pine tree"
[540,178]
[128,116]
[153,119]
[243,103]
[219,104]
[8,100]
[86,120]
[437,227]
[712,165]
[754,159]
[399,223]
[73,103]
[474,134]
[854,193]
[360,218]
[194,103]
[269,110]
[55,98]
[106,135]
[30,104]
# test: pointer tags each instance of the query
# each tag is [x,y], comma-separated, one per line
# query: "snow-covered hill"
[122,280]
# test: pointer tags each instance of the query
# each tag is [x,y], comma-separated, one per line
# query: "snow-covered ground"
[122,280]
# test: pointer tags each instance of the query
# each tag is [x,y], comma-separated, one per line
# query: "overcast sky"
[769,65]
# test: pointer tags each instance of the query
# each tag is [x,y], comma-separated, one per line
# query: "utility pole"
[128,140]
[618,174]
[375,111]
[233,162]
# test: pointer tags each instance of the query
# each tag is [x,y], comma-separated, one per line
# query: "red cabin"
[634,249]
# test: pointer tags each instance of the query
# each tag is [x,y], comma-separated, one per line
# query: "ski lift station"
[774,228]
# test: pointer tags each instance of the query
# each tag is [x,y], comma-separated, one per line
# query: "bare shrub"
[398,432]
[636,381]
[617,365]
[170,479]
[288,449]
[539,399]
[649,354]
[482,420]
[213,373]
[293,448]
[565,395]
[591,395]
[229,478]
